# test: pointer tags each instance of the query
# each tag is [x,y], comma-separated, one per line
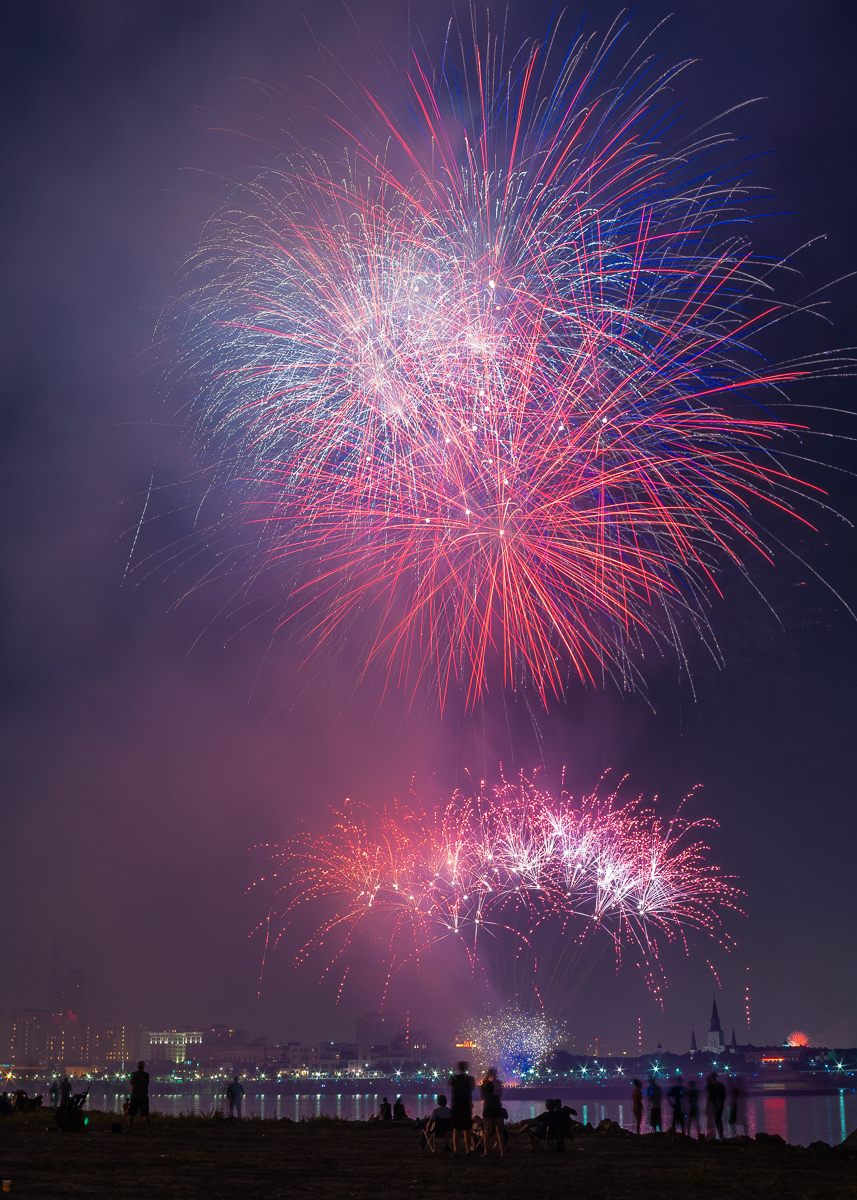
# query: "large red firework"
[483,388]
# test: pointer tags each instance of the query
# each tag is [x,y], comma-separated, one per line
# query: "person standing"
[462,1086]
[637,1103]
[54,1091]
[719,1105]
[492,1118]
[735,1093]
[654,1093]
[139,1096]
[496,1084]
[65,1090]
[676,1099]
[710,1105]
[235,1096]
[693,1109]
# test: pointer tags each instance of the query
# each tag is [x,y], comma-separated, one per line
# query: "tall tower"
[716,1040]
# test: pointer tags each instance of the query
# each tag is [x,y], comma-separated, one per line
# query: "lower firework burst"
[493,871]
[511,1041]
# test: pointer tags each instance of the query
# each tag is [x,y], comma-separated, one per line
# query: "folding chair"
[437,1135]
[555,1132]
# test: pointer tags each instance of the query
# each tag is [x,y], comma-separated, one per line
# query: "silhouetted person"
[654,1093]
[558,1125]
[676,1099]
[139,1096]
[439,1121]
[65,1090]
[719,1105]
[235,1096]
[462,1086]
[385,1113]
[693,1109]
[53,1092]
[399,1113]
[710,1105]
[735,1096]
[496,1084]
[637,1103]
[493,1116]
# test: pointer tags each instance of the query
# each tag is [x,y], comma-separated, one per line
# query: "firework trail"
[482,387]
[501,865]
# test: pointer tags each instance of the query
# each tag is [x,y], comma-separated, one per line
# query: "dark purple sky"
[142,756]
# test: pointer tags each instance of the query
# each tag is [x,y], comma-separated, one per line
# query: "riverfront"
[195,1157]
[799,1119]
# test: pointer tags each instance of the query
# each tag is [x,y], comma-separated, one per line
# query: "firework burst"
[483,388]
[500,867]
[511,1041]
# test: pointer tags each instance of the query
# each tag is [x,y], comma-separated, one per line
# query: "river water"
[797,1119]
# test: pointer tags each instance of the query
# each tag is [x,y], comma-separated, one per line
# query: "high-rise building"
[73,992]
[111,1044]
[379,1029]
[66,1041]
[30,1028]
[7,1026]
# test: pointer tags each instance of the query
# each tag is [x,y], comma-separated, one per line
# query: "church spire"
[733,1045]
[715,1019]
[693,1046]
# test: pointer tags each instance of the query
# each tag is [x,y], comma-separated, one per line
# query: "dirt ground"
[198,1157]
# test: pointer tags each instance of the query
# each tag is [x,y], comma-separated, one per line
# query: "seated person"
[556,1123]
[399,1113]
[567,1114]
[438,1122]
[552,1123]
[536,1125]
[385,1113]
[441,1113]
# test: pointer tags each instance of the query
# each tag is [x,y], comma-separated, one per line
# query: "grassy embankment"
[197,1156]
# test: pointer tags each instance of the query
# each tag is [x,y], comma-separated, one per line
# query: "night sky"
[147,743]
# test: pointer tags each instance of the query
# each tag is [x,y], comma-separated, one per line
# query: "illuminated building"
[168,1045]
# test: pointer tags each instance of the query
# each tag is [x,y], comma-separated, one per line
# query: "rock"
[608,1128]
[770,1137]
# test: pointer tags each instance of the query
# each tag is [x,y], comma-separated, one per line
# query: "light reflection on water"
[797,1119]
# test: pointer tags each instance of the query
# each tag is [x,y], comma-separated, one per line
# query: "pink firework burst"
[500,865]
